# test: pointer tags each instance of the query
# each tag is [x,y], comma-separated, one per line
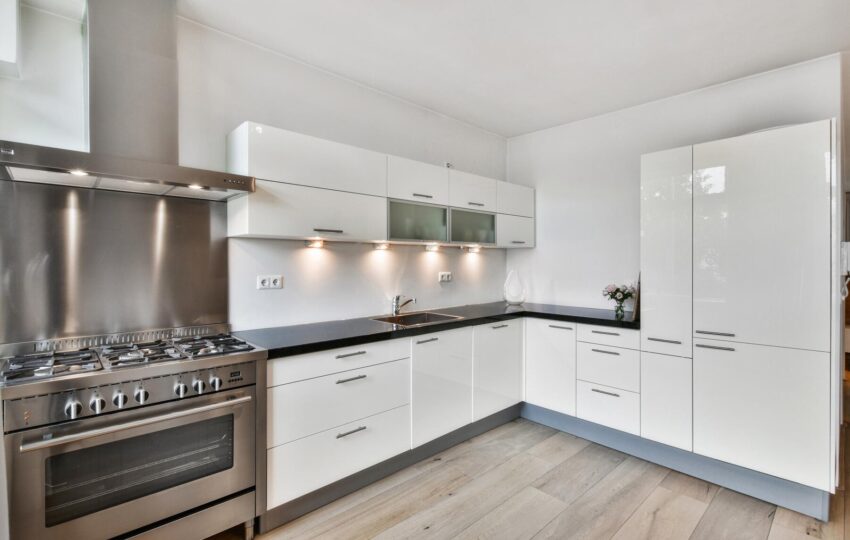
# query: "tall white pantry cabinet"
[740,357]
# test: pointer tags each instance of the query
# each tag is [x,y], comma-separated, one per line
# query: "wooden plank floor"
[524,480]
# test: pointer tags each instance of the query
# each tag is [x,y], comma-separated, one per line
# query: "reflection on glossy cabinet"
[497,367]
[666,399]
[550,364]
[417,181]
[467,190]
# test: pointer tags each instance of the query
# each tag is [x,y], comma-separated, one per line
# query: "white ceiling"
[513,67]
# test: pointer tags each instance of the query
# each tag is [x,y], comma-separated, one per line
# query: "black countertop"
[304,338]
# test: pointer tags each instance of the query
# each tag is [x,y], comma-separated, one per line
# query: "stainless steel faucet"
[398,304]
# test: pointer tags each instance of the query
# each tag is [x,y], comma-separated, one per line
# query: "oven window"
[86,481]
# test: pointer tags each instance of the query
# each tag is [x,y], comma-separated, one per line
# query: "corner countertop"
[305,338]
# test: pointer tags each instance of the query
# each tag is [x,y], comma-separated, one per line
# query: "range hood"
[21,162]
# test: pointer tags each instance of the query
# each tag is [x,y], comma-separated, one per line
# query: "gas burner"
[134,354]
[211,345]
[28,367]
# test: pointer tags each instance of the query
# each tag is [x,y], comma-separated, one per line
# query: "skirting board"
[307,503]
[803,499]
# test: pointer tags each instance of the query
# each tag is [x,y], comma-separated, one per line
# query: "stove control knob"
[73,409]
[215,382]
[180,390]
[142,396]
[97,404]
[119,399]
[199,386]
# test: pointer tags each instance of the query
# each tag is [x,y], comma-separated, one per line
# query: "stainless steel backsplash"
[77,262]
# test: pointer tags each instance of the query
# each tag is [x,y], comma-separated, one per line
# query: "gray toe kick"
[803,499]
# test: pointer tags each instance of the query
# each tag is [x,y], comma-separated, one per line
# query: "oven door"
[105,476]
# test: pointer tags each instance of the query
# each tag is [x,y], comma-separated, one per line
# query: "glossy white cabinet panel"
[514,231]
[514,199]
[278,210]
[305,465]
[416,181]
[307,366]
[276,154]
[764,408]
[550,364]
[497,367]
[333,400]
[612,407]
[666,400]
[611,366]
[609,335]
[666,205]
[762,238]
[442,383]
[467,190]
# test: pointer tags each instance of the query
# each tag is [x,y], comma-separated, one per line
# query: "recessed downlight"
[432,247]
[78,172]
[195,186]
[315,243]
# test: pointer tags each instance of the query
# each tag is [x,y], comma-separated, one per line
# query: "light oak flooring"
[525,480]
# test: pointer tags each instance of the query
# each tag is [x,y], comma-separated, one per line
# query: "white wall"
[587,173]
[46,105]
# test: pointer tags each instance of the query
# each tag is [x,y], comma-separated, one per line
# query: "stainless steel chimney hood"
[30,163]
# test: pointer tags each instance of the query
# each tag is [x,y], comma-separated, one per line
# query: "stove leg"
[249,530]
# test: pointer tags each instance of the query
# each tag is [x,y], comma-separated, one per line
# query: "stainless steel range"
[132,435]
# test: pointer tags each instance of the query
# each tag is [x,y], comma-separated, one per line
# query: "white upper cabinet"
[467,190]
[497,367]
[285,156]
[514,199]
[416,181]
[762,237]
[514,231]
[665,251]
[550,364]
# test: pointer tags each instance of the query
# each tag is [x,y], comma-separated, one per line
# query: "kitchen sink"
[420,318]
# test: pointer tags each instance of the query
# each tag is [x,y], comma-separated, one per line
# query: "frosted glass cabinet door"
[665,251]
[409,221]
[473,227]
[762,238]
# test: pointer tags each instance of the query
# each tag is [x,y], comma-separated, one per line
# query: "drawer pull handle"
[560,327]
[499,326]
[605,352]
[517,241]
[708,333]
[715,347]
[429,340]
[352,432]
[471,203]
[673,341]
[335,231]
[604,392]
[349,355]
[423,195]
[357,378]
[604,333]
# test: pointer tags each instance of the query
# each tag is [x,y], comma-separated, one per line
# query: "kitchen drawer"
[611,366]
[333,400]
[305,465]
[307,366]
[612,407]
[609,335]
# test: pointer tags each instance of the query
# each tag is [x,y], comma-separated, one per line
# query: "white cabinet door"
[666,402]
[467,190]
[514,199]
[764,408]
[550,364]
[762,238]
[416,181]
[497,367]
[514,231]
[278,210]
[612,407]
[286,156]
[442,383]
[665,251]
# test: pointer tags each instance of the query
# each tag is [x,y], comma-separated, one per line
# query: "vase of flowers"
[619,294]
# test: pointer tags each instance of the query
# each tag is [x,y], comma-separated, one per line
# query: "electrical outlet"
[444,277]
[270,282]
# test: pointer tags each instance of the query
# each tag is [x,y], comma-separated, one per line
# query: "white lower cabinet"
[497,367]
[550,364]
[304,465]
[612,407]
[666,403]
[764,408]
[442,383]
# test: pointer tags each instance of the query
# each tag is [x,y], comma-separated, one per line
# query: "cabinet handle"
[499,326]
[429,340]
[673,341]
[560,327]
[604,392]
[357,378]
[517,241]
[605,352]
[423,195]
[335,231]
[349,355]
[706,332]
[470,203]
[605,333]
[352,432]
[701,346]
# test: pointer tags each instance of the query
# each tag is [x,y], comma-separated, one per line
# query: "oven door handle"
[92,433]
